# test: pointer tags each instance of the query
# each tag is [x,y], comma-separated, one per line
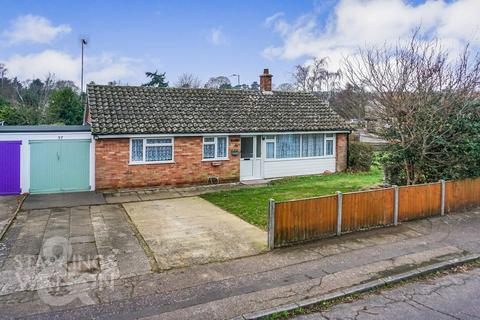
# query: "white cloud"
[30,28]
[108,67]
[100,69]
[269,20]
[217,37]
[356,23]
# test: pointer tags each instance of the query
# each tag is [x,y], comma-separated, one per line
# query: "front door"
[250,158]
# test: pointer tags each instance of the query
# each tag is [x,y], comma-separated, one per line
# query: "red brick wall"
[113,170]
[342,147]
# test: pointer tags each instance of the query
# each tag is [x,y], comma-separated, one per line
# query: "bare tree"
[285,87]
[48,86]
[220,82]
[350,102]
[60,84]
[315,77]
[188,80]
[417,89]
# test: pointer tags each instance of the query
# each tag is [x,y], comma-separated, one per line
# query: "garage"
[59,165]
[46,159]
[10,167]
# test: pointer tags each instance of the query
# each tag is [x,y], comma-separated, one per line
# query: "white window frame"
[143,161]
[273,140]
[215,143]
[332,138]
[325,156]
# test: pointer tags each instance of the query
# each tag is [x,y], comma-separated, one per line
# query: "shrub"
[455,154]
[360,156]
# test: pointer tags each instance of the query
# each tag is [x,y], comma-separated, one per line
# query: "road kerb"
[363,287]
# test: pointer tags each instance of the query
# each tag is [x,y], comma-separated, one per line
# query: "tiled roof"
[146,110]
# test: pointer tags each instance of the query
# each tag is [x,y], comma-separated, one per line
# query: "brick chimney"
[266,81]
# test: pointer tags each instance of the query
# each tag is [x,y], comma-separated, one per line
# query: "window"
[246,149]
[288,146]
[312,145]
[214,148]
[329,147]
[270,146]
[329,144]
[259,147]
[270,150]
[299,145]
[151,150]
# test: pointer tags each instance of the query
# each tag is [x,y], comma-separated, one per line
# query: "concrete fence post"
[339,212]
[271,224]
[442,205]
[395,205]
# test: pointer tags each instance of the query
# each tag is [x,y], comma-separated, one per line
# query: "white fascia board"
[125,136]
[44,135]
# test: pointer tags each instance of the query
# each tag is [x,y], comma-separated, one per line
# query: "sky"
[213,37]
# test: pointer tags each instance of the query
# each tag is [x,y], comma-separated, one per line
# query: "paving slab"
[8,206]
[189,231]
[62,200]
[170,194]
[121,198]
[69,245]
[115,238]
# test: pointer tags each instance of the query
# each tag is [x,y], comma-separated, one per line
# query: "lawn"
[251,204]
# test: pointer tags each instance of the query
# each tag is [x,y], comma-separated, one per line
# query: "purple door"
[10,167]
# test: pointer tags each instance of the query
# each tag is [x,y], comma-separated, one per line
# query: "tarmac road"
[455,296]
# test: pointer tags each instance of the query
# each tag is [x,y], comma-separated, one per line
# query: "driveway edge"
[360,288]
[14,215]
[141,240]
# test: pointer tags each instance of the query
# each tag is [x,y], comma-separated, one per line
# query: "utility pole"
[238,78]
[84,43]
[3,70]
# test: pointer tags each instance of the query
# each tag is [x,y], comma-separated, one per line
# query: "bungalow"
[147,136]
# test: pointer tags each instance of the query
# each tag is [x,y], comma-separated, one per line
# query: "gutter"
[130,135]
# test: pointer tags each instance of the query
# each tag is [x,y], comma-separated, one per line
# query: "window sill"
[215,159]
[150,162]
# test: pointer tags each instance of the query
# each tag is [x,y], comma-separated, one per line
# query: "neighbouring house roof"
[147,110]
[44,128]
[368,137]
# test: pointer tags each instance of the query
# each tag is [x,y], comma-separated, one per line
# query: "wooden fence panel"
[419,201]
[315,218]
[462,194]
[361,210]
[307,219]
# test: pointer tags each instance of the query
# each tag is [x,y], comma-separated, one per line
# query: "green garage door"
[59,165]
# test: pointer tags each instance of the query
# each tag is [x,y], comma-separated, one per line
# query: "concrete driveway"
[76,239]
[84,244]
[188,231]
[8,205]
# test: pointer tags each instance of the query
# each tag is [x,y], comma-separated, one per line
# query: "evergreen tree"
[64,107]
[156,80]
